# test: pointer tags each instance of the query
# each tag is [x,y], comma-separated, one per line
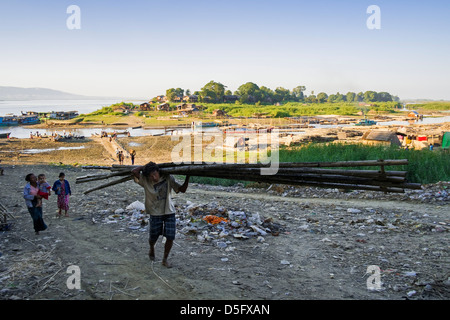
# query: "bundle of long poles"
[313,174]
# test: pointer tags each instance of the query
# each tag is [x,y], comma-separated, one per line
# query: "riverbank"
[91,150]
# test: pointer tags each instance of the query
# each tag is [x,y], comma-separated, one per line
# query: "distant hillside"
[16,93]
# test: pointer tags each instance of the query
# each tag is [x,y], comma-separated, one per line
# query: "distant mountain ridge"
[16,93]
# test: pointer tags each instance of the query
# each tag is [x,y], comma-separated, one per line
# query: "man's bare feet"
[151,255]
[166,263]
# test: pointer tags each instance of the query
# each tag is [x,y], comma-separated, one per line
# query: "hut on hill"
[219,113]
[163,107]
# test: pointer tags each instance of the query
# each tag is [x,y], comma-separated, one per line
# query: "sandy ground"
[322,251]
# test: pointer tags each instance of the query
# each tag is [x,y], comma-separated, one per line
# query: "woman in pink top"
[30,194]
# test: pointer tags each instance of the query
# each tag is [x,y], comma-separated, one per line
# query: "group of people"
[121,156]
[37,189]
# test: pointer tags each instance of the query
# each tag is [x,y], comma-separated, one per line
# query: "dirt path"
[393,205]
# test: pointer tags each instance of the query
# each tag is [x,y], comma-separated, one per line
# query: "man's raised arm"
[137,171]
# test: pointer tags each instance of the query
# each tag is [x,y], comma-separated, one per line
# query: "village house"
[230,98]
[415,115]
[206,99]
[219,113]
[163,107]
[146,106]
[187,108]
[121,108]
[161,98]
[190,98]
[377,137]
[177,99]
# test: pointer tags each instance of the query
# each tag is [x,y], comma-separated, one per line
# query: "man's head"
[151,170]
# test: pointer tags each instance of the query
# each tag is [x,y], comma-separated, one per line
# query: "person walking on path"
[30,194]
[61,188]
[159,205]
[133,156]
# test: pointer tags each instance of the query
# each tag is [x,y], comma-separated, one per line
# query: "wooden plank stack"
[340,174]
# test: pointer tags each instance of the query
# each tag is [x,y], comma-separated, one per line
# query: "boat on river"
[9,120]
[366,122]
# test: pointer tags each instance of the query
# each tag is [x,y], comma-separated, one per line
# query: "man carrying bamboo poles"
[159,205]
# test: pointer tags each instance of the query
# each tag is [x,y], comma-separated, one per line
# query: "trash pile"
[206,223]
[212,223]
[134,214]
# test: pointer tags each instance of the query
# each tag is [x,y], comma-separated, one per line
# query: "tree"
[297,93]
[282,94]
[360,97]
[351,97]
[249,92]
[179,92]
[322,97]
[384,96]
[311,98]
[370,96]
[188,92]
[214,90]
[267,94]
[339,97]
[170,94]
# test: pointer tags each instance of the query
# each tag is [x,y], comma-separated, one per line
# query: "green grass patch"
[424,166]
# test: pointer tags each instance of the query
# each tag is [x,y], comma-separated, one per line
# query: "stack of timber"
[340,174]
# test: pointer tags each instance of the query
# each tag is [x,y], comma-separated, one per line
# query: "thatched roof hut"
[384,137]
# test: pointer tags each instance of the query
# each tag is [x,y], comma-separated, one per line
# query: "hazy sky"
[138,49]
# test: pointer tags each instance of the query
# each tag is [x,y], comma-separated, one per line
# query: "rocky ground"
[278,243]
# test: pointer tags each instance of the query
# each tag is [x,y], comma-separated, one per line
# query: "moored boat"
[366,122]
[8,120]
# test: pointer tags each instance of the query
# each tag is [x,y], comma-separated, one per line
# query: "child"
[44,189]
[62,189]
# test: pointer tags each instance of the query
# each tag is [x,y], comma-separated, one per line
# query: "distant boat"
[240,130]
[206,124]
[5,135]
[7,121]
[366,122]
[29,119]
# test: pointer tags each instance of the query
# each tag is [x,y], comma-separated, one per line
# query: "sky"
[138,49]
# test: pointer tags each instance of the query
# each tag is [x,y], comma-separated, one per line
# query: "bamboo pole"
[305,174]
[361,163]
[109,184]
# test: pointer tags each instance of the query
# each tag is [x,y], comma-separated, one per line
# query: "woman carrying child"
[30,194]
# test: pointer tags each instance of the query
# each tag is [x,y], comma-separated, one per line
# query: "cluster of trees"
[368,96]
[251,93]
